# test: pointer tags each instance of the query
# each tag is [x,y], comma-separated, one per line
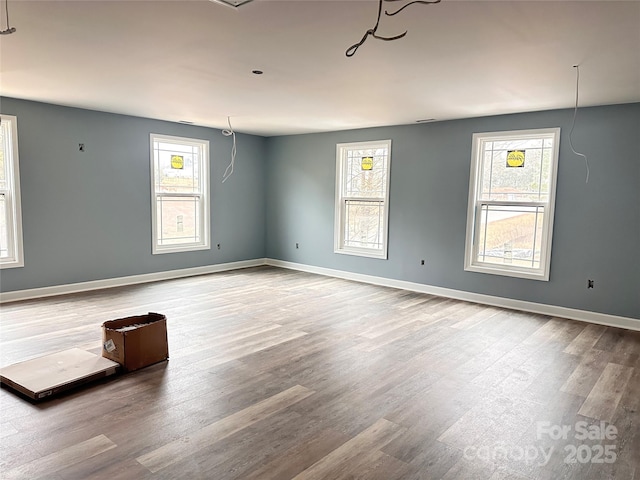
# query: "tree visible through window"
[10,213]
[362,194]
[180,190]
[511,202]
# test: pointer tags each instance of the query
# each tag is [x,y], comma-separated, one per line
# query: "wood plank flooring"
[277,375]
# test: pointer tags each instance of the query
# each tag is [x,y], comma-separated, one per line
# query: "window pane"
[178,220]
[516,170]
[364,224]
[180,193]
[4,147]
[10,217]
[4,228]
[362,186]
[366,172]
[177,168]
[510,235]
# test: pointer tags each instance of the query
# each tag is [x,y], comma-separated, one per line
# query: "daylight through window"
[362,198]
[180,190]
[10,212]
[511,203]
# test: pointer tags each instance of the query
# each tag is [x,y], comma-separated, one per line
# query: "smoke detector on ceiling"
[232,3]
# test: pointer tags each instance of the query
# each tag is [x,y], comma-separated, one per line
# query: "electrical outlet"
[421,262]
[297,245]
[218,246]
[589,283]
[81,147]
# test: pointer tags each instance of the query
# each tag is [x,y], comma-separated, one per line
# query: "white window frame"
[11,195]
[342,199]
[203,195]
[475,205]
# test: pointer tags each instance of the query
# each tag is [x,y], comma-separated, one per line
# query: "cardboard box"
[136,342]
[45,376]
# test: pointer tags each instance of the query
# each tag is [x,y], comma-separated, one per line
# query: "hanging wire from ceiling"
[9,30]
[373,31]
[423,2]
[573,123]
[230,133]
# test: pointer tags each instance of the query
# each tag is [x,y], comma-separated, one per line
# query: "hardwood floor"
[279,375]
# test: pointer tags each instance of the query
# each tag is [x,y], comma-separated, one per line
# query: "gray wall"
[87,216]
[597,225]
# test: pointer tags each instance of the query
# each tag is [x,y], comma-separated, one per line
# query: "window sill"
[179,249]
[508,272]
[11,264]
[361,253]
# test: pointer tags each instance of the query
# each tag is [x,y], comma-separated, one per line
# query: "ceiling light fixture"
[231,3]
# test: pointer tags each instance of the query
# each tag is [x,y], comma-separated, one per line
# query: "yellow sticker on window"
[515,158]
[367,163]
[177,162]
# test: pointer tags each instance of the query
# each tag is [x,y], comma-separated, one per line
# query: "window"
[180,194]
[511,202]
[362,198]
[10,214]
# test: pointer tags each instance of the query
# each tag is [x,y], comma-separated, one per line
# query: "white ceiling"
[192,60]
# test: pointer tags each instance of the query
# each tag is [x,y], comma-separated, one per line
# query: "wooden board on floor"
[45,376]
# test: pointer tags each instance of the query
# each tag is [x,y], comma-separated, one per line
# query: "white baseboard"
[18,295]
[551,310]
